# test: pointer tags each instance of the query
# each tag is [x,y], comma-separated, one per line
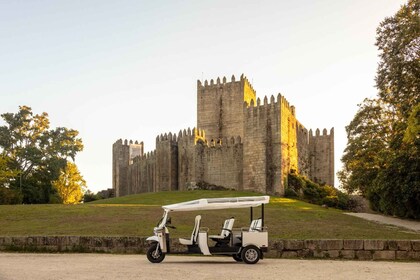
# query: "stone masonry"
[241,142]
[278,248]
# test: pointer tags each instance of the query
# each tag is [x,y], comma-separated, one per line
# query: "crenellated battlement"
[166,137]
[127,142]
[278,101]
[247,83]
[301,128]
[209,85]
[183,135]
[146,156]
[267,106]
[218,82]
[324,132]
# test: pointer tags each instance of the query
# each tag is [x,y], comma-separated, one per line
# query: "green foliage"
[301,187]
[89,196]
[8,196]
[368,135]
[396,190]
[398,74]
[37,152]
[381,160]
[412,133]
[6,174]
[296,185]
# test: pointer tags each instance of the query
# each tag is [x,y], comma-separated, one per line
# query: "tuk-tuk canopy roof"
[218,203]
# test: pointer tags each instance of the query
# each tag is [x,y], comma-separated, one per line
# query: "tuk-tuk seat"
[194,233]
[226,230]
[256,225]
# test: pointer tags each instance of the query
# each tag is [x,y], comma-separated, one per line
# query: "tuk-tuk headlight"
[156,230]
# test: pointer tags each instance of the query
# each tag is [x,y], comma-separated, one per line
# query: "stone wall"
[219,106]
[221,163]
[256,146]
[142,174]
[347,249]
[288,137]
[302,135]
[187,159]
[321,163]
[167,162]
[270,144]
[278,248]
[122,155]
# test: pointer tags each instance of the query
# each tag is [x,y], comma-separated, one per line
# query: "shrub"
[9,196]
[289,192]
[301,187]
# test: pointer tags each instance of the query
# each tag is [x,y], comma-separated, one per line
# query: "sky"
[129,68]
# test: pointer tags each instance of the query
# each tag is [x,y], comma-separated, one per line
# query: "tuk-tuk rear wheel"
[251,254]
[154,254]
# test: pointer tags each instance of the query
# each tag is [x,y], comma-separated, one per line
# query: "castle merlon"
[218,82]
[300,127]
[257,105]
[183,135]
[145,156]
[223,81]
[127,142]
[247,82]
[279,100]
[324,132]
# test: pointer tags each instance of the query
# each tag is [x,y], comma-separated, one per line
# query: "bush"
[301,187]
[289,192]
[9,196]
[90,196]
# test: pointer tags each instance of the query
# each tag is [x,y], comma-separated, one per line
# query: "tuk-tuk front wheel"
[250,254]
[154,254]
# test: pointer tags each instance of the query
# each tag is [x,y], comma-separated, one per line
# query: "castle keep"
[240,142]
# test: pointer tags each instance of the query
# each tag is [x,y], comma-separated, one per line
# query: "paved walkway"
[412,225]
[135,267]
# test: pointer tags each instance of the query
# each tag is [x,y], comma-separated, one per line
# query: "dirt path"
[104,266]
[412,225]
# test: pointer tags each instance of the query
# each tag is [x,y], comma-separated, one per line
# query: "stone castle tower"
[240,142]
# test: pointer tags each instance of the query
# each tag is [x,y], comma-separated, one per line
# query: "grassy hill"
[136,215]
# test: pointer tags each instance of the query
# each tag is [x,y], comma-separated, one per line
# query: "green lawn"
[136,215]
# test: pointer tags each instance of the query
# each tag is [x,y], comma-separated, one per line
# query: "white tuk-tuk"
[244,244]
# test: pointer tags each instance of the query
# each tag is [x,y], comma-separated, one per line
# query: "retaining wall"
[278,248]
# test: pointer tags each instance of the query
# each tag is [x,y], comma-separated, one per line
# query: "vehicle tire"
[250,254]
[237,257]
[155,256]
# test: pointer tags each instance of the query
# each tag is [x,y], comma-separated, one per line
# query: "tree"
[368,136]
[7,196]
[381,160]
[70,185]
[412,133]
[398,74]
[36,151]
[6,174]
[90,196]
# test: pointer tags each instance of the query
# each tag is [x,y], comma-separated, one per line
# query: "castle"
[241,142]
